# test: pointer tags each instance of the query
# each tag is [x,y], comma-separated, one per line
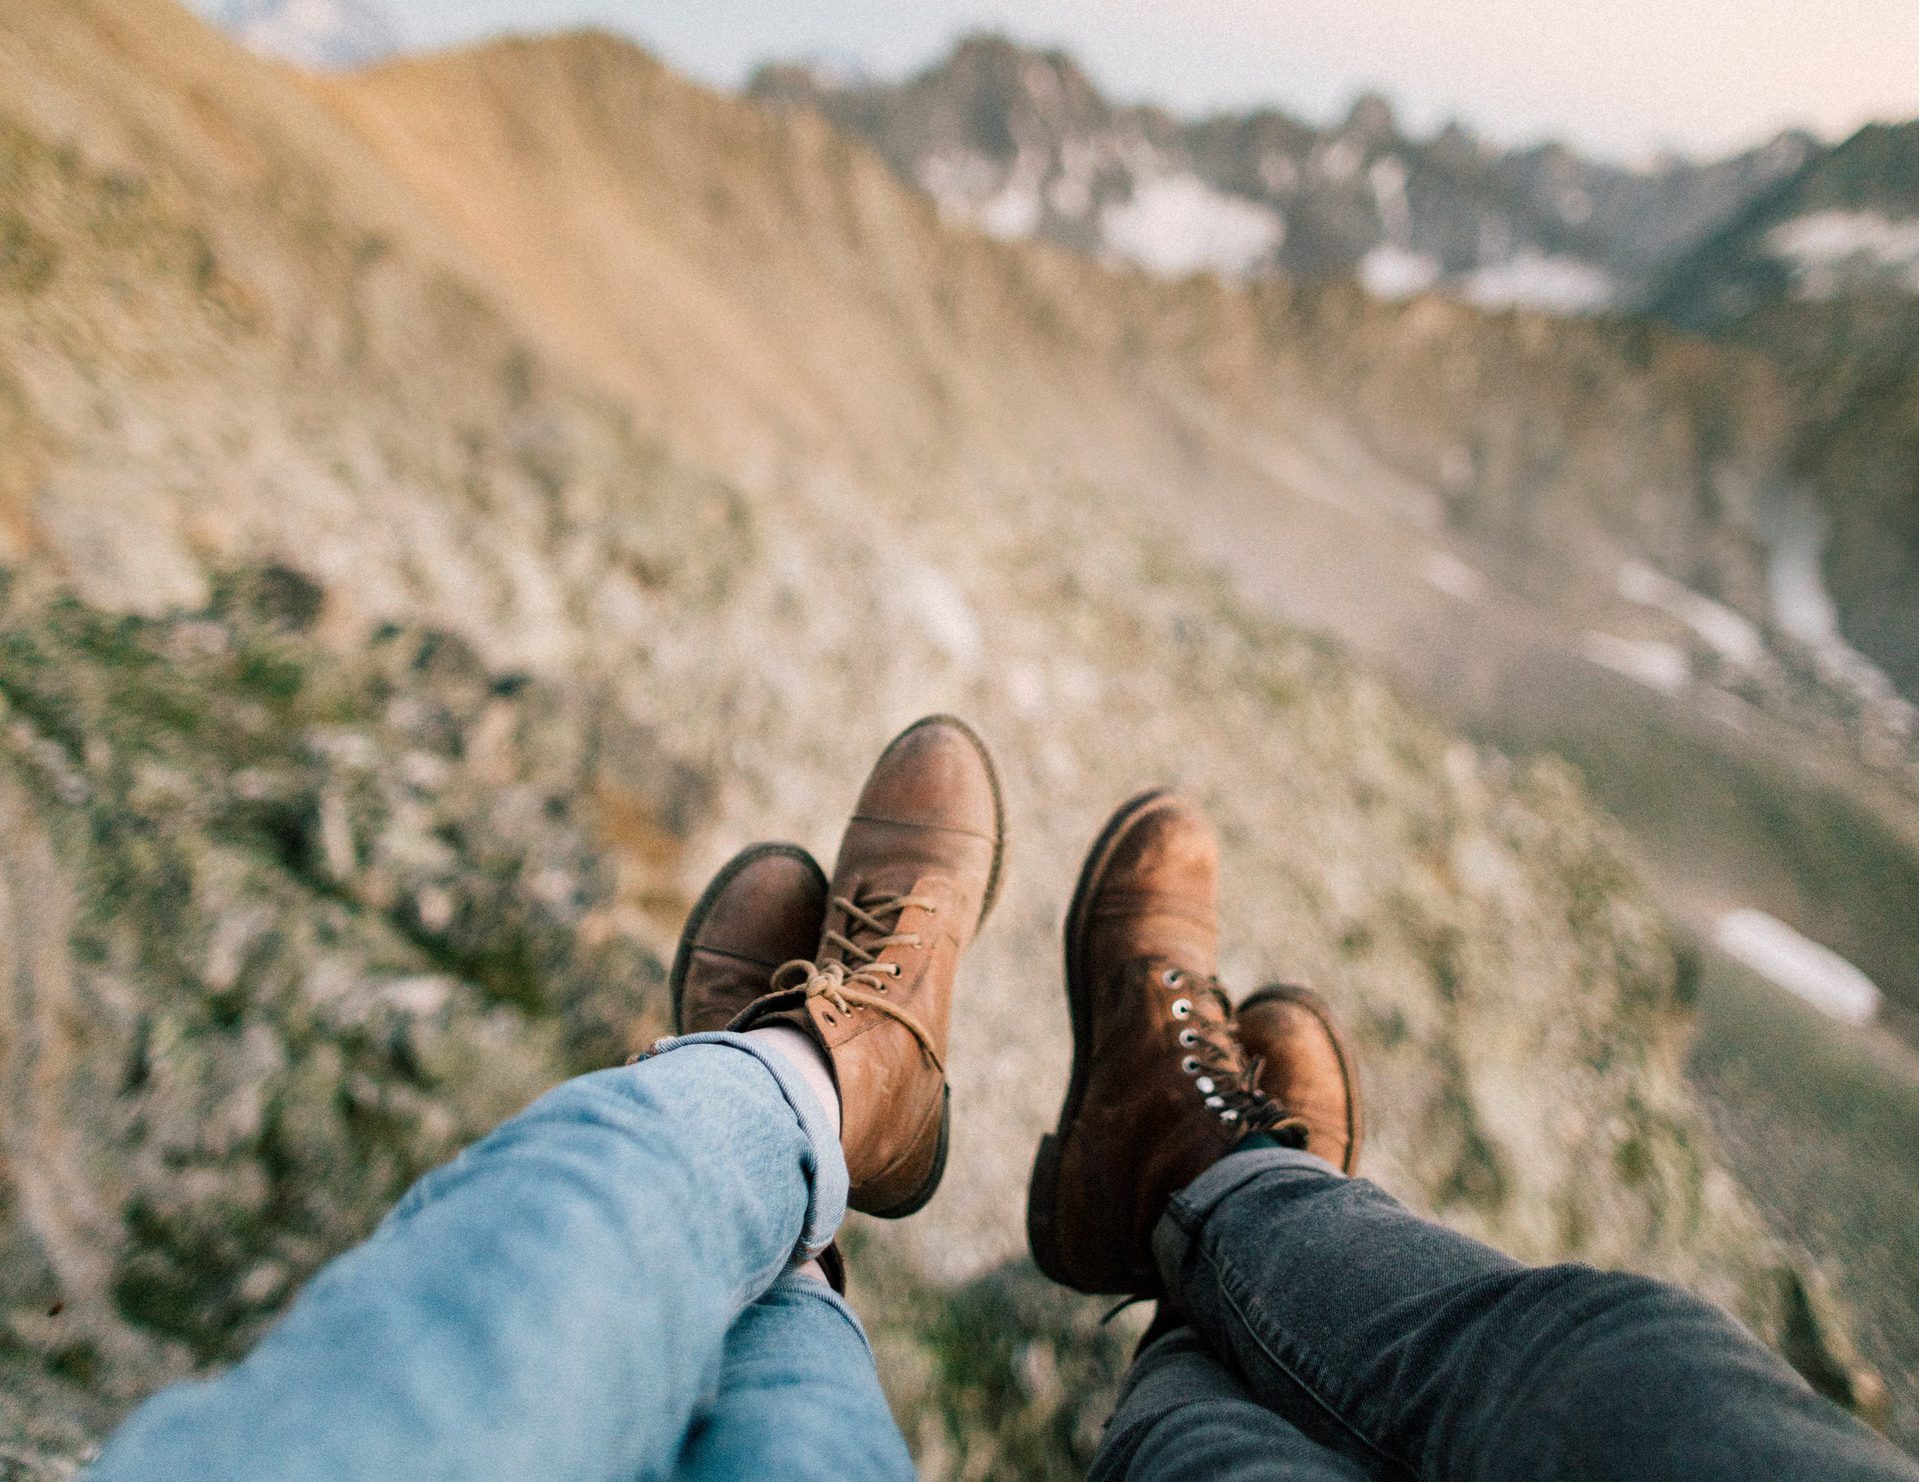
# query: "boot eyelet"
[1190,1065]
[1229,1115]
[1215,1102]
[1189,1039]
[1172,977]
[1205,1085]
[828,1017]
[1182,1008]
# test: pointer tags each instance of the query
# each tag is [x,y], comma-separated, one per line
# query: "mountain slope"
[462,340]
[1845,225]
[829,312]
[1822,275]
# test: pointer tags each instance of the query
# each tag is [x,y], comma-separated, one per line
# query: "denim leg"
[1182,1417]
[1369,1327]
[799,1399]
[552,1303]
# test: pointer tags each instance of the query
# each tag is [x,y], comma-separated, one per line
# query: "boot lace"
[857,978]
[1226,1081]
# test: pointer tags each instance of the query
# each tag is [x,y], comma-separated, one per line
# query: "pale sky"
[1619,77]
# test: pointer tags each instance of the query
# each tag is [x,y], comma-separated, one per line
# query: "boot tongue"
[861,936]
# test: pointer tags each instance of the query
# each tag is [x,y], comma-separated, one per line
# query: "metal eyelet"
[1182,1008]
[1205,1085]
[827,1015]
[1188,1038]
[1215,1102]
[1229,1115]
[1190,1065]
[1172,977]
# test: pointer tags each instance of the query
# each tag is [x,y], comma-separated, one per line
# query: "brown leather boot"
[1160,1089]
[918,871]
[763,909]
[1303,1062]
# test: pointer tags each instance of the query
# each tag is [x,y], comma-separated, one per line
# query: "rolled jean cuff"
[815,1290]
[1173,1236]
[827,1182]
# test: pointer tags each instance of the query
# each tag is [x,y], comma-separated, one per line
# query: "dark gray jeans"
[1335,1336]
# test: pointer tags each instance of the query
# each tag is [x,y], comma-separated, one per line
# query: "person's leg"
[1183,1417]
[1194,1160]
[553,1303]
[798,1399]
[1367,1326]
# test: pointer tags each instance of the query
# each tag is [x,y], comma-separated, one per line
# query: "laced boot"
[764,908]
[1160,1088]
[917,872]
[1301,1060]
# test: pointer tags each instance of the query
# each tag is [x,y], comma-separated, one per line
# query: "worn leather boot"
[1160,1089]
[918,870]
[1303,1062]
[764,908]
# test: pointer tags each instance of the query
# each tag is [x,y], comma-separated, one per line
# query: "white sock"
[797,1049]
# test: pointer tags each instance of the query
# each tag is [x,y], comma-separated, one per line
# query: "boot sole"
[1042,1195]
[917,1200]
[703,907]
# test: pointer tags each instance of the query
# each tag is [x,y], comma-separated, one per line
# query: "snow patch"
[1659,666]
[1279,172]
[1396,272]
[1015,210]
[1388,178]
[314,33]
[1337,160]
[1798,964]
[1071,193]
[1732,636]
[1531,279]
[1445,572]
[944,614]
[1795,531]
[1833,251]
[974,189]
[957,180]
[1178,224]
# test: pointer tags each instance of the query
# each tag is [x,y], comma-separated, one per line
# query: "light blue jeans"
[600,1291]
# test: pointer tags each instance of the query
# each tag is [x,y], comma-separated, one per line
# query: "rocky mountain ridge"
[1845,226]
[1022,144]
